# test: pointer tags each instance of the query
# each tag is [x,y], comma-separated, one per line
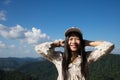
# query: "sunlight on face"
[74,42]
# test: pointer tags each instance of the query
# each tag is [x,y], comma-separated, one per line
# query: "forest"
[107,68]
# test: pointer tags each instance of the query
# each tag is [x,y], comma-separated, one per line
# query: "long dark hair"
[67,56]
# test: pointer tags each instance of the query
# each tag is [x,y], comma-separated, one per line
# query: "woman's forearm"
[93,43]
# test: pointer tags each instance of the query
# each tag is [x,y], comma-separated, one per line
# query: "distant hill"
[43,70]
[12,63]
[14,75]
[107,68]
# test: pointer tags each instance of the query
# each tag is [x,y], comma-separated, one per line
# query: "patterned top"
[74,69]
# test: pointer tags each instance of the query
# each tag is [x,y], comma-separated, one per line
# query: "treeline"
[15,75]
[107,68]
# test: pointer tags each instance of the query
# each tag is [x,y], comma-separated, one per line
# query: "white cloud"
[12,46]
[13,36]
[88,48]
[6,2]
[35,35]
[18,51]
[19,33]
[12,33]
[116,50]
[2,45]
[3,15]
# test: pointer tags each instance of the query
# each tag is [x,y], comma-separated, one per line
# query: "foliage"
[14,75]
[107,68]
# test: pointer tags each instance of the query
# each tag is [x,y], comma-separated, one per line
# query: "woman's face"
[74,42]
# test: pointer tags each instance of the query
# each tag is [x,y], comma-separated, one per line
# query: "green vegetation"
[107,68]
[14,75]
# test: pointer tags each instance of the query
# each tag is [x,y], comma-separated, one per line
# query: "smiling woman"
[74,63]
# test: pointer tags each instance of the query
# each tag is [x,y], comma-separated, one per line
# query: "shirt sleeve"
[101,50]
[47,51]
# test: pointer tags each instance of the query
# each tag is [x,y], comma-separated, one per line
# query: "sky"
[26,23]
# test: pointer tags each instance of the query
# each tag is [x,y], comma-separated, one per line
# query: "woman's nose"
[73,41]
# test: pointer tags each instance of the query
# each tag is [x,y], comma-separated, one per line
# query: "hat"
[73,29]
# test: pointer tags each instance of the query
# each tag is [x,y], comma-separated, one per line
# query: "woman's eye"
[77,39]
[70,38]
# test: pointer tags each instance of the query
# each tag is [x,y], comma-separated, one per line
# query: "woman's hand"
[58,43]
[62,43]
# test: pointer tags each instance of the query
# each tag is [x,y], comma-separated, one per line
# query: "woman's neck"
[74,55]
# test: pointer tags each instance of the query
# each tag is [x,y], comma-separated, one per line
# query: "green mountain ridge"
[107,68]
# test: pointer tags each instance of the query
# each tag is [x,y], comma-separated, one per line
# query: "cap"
[73,29]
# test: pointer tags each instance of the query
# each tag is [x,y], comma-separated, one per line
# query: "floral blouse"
[74,69]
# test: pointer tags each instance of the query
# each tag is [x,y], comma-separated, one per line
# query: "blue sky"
[23,23]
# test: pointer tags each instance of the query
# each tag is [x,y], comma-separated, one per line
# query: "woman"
[74,63]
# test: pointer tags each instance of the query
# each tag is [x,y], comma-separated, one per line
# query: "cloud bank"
[2,45]
[17,41]
[17,32]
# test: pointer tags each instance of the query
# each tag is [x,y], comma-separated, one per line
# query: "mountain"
[12,63]
[43,70]
[14,75]
[107,68]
